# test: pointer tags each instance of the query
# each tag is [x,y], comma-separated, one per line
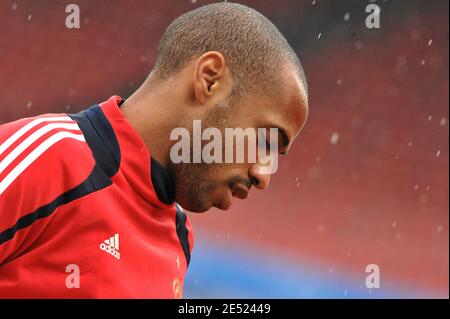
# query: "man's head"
[254,49]
[228,66]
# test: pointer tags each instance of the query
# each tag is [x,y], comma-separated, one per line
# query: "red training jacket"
[85,212]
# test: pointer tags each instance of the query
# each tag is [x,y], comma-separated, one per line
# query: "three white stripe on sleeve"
[67,129]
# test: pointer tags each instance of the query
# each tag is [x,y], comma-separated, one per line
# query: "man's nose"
[260,179]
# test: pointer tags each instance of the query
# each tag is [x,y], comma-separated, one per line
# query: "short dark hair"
[253,47]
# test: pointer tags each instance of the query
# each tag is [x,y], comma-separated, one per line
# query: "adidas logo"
[111,246]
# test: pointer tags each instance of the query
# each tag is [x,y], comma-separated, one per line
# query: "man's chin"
[223,205]
[194,207]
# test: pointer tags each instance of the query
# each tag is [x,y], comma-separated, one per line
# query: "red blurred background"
[367,180]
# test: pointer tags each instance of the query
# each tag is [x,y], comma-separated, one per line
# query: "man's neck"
[149,114]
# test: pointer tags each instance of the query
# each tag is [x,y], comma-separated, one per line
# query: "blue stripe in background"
[231,269]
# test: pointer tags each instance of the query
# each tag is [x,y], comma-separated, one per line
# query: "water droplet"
[430,117]
[334,138]
[443,121]
[347,16]
[416,187]
[29,17]
[438,153]
[430,42]
[14,7]
[29,104]
[394,224]
[319,35]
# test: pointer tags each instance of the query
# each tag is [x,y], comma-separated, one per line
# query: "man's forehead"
[295,85]
[294,100]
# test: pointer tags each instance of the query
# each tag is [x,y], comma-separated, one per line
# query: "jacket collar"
[118,148]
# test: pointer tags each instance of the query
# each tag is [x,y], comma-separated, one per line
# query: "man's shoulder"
[49,149]
[41,158]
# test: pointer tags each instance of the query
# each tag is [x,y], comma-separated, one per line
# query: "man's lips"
[238,188]
[239,191]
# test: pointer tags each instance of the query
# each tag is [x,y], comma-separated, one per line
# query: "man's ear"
[209,73]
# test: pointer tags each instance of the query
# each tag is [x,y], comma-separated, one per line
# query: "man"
[88,202]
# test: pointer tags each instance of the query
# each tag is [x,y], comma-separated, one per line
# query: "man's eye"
[267,145]
[270,145]
[263,143]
